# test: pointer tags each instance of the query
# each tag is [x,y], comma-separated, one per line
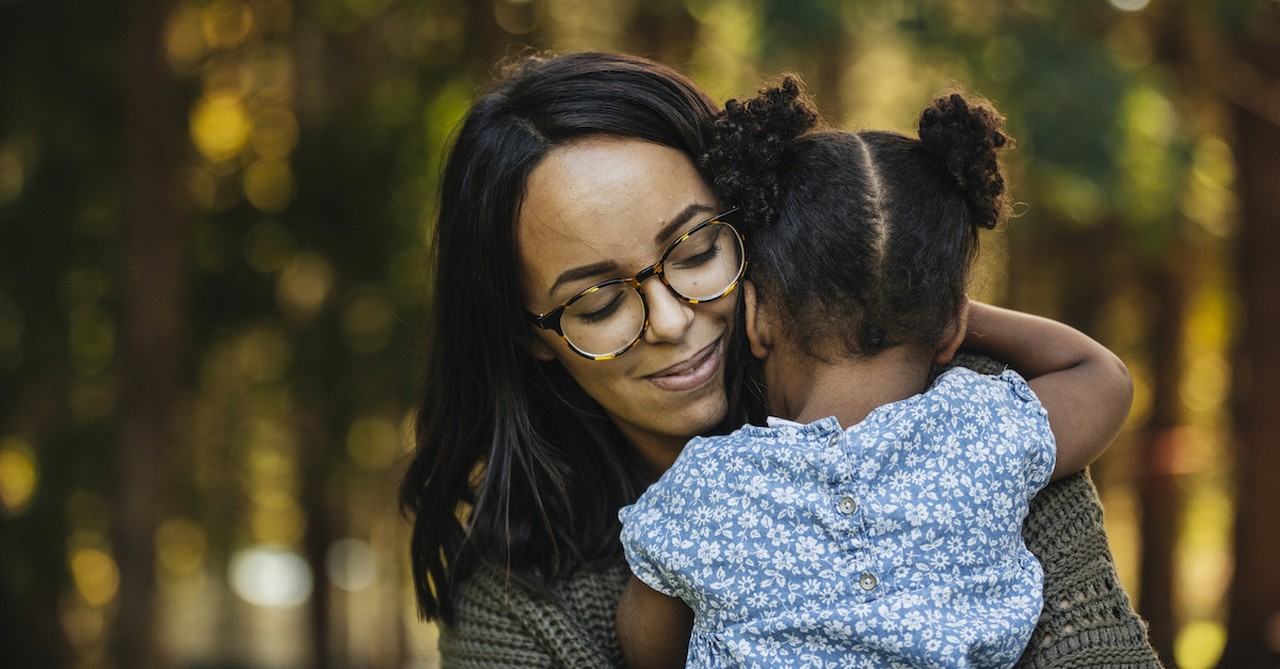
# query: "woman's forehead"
[605,198]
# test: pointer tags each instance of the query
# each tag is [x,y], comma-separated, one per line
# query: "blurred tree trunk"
[32,541]
[833,60]
[319,463]
[31,634]
[664,31]
[153,260]
[1054,259]
[486,42]
[1167,285]
[1253,615]
[1084,295]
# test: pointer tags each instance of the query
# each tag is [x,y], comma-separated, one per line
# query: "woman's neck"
[848,389]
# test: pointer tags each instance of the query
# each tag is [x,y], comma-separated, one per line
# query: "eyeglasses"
[607,319]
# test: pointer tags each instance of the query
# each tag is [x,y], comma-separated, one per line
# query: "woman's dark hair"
[863,241]
[515,465]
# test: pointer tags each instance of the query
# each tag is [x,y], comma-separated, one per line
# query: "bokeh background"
[213,225]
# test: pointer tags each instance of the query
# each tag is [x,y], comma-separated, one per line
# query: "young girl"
[876,520]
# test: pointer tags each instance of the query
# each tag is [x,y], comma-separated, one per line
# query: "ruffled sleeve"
[652,537]
[1032,419]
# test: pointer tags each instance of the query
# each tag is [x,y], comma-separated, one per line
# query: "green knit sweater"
[1087,620]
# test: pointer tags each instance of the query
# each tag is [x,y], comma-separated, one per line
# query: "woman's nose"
[669,316]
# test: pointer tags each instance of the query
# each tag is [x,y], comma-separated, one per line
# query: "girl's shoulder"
[697,455]
[706,468]
[702,454]
[1006,385]
[1000,409]
[699,464]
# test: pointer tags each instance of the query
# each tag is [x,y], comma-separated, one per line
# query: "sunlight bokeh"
[287,157]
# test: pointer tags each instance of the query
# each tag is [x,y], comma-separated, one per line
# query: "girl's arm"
[653,629]
[1085,388]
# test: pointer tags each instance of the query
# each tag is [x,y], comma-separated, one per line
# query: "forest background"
[213,287]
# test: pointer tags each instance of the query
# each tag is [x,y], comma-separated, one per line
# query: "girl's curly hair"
[964,134]
[747,142]
[862,241]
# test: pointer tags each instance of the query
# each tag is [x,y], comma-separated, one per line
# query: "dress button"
[868,581]
[846,505]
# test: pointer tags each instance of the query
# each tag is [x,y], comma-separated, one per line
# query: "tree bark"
[1253,611]
[153,244]
[317,461]
[1160,453]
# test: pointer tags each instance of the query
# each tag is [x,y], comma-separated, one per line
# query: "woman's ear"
[759,328]
[955,335]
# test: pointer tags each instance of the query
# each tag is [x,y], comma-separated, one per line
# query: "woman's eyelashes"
[699,258]
[603,307]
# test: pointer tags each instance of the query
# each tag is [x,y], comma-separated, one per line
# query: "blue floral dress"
[893,543]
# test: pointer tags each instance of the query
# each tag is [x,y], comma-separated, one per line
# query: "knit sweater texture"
[1087,620]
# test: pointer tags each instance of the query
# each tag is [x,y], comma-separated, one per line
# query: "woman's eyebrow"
[584,272]
[611,268]
[680,220]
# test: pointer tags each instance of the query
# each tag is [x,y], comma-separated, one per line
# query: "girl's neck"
[848,389]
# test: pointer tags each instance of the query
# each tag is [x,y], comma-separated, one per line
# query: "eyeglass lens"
[610,318]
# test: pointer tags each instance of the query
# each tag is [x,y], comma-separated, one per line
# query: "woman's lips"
[692,373]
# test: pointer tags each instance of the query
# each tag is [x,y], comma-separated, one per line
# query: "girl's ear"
[955,335]
[759,328]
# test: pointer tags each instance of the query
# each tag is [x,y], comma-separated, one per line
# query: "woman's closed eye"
[697,258]
[597,307]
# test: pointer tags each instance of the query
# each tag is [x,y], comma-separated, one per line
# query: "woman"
[537,424]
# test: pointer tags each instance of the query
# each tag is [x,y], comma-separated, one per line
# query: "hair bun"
[747,143]
[964,134]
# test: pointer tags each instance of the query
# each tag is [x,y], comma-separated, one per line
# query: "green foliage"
[802,24]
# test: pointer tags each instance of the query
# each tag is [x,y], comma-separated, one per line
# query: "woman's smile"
[694,372]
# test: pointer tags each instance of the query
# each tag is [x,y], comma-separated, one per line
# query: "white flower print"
[786,560]
[779,535]
[913,620]
[916,514]
[785,495]
[746,528]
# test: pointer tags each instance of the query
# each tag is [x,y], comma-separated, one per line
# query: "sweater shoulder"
[1088,619]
